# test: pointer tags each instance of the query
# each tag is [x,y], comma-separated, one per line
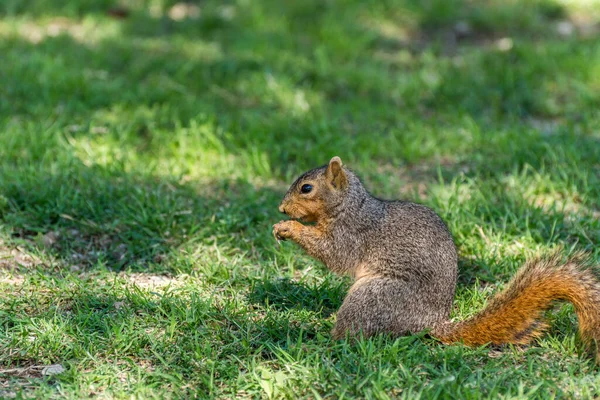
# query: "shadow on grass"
[176,330]
[285,294]
[90,216]
[99,216]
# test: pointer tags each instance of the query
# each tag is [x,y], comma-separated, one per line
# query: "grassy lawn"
[143,156]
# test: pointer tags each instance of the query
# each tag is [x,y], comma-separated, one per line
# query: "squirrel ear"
[335,174]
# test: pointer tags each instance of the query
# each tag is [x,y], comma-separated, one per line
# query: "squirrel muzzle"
[296,211]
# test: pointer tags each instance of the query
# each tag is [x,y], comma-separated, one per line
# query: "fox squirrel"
[404,264]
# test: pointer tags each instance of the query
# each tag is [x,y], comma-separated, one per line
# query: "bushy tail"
[515,315]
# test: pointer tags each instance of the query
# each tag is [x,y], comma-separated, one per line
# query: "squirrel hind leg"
[377,305]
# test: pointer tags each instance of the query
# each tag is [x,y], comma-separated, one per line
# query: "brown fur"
[515,315]
[404,263]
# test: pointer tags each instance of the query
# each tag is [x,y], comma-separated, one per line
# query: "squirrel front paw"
[284,229]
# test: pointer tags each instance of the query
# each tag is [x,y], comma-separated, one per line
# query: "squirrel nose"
[281,209]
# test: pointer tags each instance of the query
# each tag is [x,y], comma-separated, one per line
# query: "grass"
[142,160]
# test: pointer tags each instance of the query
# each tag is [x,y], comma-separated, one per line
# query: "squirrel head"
[316,191]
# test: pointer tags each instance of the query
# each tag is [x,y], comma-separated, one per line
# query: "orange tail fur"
[515,315]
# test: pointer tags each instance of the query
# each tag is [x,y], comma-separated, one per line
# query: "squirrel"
[404,263]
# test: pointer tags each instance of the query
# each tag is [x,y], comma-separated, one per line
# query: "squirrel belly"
[404,262]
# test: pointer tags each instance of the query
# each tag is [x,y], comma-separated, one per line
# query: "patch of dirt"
[13,280]
[33,371]
[14,257]
[148,281]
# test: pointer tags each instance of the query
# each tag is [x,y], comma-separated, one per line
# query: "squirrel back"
[404,264]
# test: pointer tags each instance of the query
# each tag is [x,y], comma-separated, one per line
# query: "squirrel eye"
[306,188]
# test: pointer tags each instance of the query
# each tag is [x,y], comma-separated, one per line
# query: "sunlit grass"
[142,159]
